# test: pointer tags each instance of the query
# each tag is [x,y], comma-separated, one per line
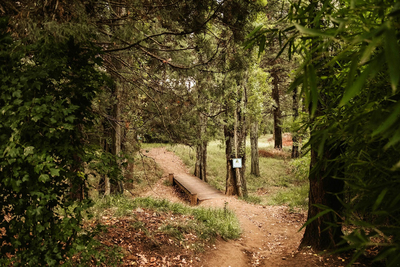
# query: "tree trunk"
[231,176]
[277,111]
[324,190]
[117,140]
[104,179]
[324,232]
[201,150]
[235,141]
[117,136]
[255,166]
[295,139]
[201,161]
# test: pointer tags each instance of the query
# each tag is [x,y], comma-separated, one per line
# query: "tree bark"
[324,190]
[117,140]
[117,136]
[231,178]
[295,139]
[255,166]
[201,161]
[277,111]
[201,150]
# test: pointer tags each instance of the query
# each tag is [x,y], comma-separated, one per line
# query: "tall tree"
[295,136]
[259,90]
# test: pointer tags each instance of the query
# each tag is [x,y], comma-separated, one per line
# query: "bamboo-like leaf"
[352,72]
[312,32]
[322,145]
[262,45]
[394,261]
[379,199]
[283,48]
[392,53]
[313,90]
[354,89]
[369,49]
[383,254]
[249,44]
[253,32]
[389,121]
[322,213]
[393,140]
[395,201]
[296,83]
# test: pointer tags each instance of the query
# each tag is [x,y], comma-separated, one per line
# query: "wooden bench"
[192,195]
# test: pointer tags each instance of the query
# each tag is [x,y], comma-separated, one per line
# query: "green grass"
[208,223]
[281,181]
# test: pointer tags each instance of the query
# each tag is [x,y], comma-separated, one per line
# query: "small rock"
[283,258]
[139,210]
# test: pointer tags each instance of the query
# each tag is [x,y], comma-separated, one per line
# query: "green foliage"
[45,101]
[350,78]
[292,196]
[301,167]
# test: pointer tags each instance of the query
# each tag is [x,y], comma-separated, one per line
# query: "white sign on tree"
[237,163]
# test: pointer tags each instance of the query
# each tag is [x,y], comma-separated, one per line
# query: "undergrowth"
[208,222]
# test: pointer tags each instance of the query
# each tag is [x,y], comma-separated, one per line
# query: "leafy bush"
[45,101]
[301,167]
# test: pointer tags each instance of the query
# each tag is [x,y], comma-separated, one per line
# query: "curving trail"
[270,234]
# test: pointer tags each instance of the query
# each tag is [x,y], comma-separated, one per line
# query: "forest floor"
[270,234]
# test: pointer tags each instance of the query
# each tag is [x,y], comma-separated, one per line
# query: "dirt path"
[270,234]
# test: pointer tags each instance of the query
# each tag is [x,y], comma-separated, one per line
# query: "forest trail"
[270,235]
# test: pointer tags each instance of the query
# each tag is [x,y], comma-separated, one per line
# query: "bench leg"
[193,199]
[171,178]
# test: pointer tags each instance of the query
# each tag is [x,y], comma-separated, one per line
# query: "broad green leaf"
[54,172]
[28,150]
[44,178]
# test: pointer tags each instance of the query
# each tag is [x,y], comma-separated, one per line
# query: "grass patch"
[252,199]
[186,154]
[208,223]
[293,196]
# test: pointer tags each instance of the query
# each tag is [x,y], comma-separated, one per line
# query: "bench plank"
[196,188]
